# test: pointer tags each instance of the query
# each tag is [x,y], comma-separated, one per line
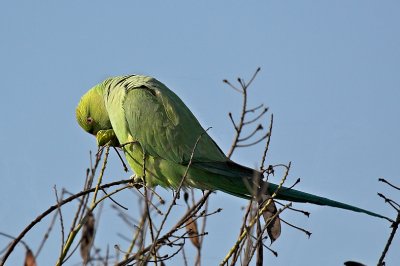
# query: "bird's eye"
[89,120]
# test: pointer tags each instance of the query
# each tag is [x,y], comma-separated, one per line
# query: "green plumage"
[150,121]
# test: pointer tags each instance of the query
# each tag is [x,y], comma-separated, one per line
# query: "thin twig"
[88,184]
[203,214]
[254,142]
[251,224]
[267,144]
[254,76]
[257,117]
[46,235]
[260,212]
[259,239]
[175,196]
[233,122]
[61,220]
[395,225]
[265,246]
[129,220]
[14,238]
[203,226]
[390,202]
[239,127]
[308,233]
[50,210]
[150,202]
[101,175]
[306,213]
[230,85]
[184,257]
[259,127]
[252,110]
[387,182]
[135,237]
[72,235]
[259,245]
[243,227]
[183,220]
[162,201]
[120,158]
[115,202]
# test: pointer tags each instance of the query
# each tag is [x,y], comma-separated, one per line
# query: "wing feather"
[163,124]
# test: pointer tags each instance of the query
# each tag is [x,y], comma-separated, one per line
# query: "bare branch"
[160,240]
[122,161]
[46,235]
[259,213]
[390,202]
[230,85]
[395,225]
[252,110]
[175,197]
[259,127]
[253,143]
[257,117]
[387,182]
[308,233]
[264,156]
[254,76]
[61,219]
[50,210]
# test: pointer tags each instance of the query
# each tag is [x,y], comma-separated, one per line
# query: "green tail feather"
[235,179]
[298,196]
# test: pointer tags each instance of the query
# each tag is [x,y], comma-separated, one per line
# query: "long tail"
[236,180]
[299,196]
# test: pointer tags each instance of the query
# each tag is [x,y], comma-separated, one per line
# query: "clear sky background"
[330,75]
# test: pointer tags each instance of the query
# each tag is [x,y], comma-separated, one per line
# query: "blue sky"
[329,75]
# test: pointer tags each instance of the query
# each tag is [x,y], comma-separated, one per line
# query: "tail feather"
[240,181]
[303,197]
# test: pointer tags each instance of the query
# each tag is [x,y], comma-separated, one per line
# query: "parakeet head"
[91,112]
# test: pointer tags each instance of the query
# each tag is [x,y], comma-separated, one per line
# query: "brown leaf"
[87,238]
[29,258]
[274,225]
[191,227]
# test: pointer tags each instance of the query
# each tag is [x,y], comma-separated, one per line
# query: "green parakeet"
[152,124]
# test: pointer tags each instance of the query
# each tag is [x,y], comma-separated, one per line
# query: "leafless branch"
[61,219]
[387,182]
[395,224]
[50,210]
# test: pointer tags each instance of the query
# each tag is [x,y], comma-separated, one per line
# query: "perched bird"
[152,125]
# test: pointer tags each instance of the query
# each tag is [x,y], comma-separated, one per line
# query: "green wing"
[162,123]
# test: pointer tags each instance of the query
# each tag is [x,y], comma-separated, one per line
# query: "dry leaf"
[274,226]
[87,238]
[29,258]
[191,227]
